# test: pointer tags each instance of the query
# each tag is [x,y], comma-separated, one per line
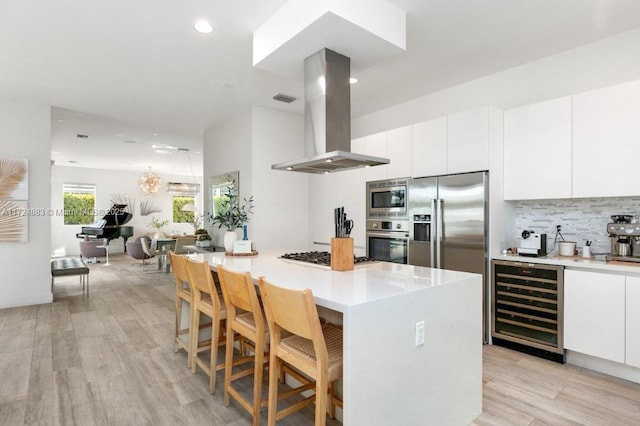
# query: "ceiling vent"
[81,136]
[283,98]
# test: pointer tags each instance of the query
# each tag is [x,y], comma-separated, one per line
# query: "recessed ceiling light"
[162,151]
[203,26]
[227,85]
[353,80]
[155,134]
[60,120]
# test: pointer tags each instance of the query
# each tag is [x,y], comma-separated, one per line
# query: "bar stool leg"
[228,364]
[321,399]
[194,335]
[257,383]
[213,362]
[275,365]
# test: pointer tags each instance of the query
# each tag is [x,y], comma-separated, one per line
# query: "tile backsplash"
[581,219]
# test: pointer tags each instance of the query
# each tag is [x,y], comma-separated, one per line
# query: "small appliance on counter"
[532,244]
[625,239]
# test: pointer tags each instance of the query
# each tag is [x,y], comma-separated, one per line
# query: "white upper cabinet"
[606,141]
[633,321]
[429,148]
[468,141]
[537,151]
[375,145]
[399,151]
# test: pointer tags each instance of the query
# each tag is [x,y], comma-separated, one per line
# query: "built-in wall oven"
[388,240]
[387,198]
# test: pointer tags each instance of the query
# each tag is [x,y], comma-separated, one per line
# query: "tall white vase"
[229,238]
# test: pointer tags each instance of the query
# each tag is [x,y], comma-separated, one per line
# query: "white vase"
[229,238]
[158,235]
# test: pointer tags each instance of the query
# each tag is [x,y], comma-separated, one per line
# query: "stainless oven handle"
[396,235]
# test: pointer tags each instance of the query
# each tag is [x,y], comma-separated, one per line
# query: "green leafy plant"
[202,235]
[157,223]
[196,222]
[230,212]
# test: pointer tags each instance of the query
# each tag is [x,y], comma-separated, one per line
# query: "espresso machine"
[625,239]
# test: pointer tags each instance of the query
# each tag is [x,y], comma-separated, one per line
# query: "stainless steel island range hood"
[327,115]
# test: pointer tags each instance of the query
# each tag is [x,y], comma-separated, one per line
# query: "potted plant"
[196,222]
[232,214]
[203,239]
[157,224]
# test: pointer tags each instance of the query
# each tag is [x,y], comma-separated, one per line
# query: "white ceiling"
[135,68]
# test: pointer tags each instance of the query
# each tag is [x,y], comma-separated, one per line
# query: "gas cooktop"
[319,257]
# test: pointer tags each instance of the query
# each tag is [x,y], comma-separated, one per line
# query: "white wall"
[282,198]
[603,63]
[109,182]
[25,277]
[227,148]
[251,143]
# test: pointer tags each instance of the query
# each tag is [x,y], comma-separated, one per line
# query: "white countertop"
[576,262]
[337,290]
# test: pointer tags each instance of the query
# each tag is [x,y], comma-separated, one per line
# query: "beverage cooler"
[527,308]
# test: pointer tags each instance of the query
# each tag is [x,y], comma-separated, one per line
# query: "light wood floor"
[109,360]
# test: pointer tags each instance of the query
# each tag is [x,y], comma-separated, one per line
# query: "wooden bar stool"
[312,348]
[245,317]
[205,301]
[183,293]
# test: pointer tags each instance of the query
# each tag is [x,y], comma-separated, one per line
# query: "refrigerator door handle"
[439,230]
[432,237]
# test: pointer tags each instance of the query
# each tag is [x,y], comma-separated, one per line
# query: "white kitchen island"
[388,380]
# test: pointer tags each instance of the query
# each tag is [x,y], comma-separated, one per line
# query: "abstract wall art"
[14,195]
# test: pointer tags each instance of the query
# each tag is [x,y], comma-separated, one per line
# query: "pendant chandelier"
[149,182]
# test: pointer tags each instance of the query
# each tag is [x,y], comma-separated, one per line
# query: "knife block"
[342,254]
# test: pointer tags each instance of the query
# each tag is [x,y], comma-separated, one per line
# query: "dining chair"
[312,348]
[246,318]
[148,251]
[181,242]
[205,301]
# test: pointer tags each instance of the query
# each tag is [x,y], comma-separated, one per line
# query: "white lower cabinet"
[633,321]
[594,314]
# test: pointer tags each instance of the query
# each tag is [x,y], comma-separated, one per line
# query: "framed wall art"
[14,197]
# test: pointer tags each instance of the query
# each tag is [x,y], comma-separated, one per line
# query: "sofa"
[90,251]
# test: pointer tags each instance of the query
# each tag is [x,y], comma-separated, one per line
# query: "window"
[180,216]
[79,203]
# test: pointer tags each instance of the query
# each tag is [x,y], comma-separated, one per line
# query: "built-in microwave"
[387,198]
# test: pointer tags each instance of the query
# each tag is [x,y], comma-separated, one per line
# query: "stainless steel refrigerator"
[449,224]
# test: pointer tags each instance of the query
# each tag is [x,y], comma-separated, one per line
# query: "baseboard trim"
[604,366]
[14,302]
